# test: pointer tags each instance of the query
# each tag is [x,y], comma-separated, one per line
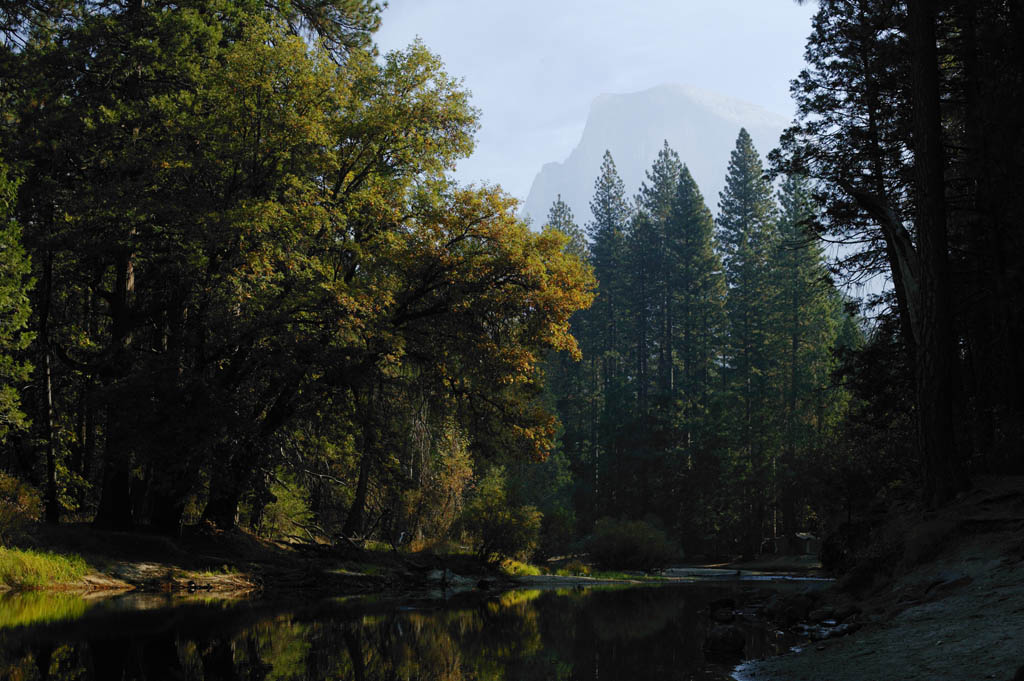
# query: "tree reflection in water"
[645,633]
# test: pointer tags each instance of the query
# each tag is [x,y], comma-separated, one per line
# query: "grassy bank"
[27,569]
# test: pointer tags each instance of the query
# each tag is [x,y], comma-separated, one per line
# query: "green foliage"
[288,514]
[497,529]
[517,568]
[24,569]
[557,533]
[249,258]
[576,568]
[14,309]
[631,544]
[20,505]
[560,218]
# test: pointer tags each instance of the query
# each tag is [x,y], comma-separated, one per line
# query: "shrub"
[631,544]
[556,533]
[576,567]
[498,530]
[20,505]
[287,513]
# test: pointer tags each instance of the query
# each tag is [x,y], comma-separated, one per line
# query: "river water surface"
[597,634]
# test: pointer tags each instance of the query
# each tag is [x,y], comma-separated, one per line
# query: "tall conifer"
[747,231]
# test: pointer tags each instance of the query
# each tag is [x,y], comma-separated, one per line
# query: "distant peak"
[723,105]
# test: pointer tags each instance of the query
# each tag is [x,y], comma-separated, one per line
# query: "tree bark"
[115,509]
[943,470]
[227,484]
[354,521]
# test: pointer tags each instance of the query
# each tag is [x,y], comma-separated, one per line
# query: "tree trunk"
[227,484]
[52,504]
[115,509]
[52,514]
[355,519]
[943,470]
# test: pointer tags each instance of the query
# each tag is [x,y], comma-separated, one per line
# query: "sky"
[534,66]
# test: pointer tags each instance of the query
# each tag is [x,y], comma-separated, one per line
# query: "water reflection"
[639,633]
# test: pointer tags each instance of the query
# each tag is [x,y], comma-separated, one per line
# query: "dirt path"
[957,618]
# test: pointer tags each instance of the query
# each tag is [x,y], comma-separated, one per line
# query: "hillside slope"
[952,610]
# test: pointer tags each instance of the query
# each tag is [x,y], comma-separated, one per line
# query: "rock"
[725,639]
[448,579]
[823,633]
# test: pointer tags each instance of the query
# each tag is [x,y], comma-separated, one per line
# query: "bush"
[287,513]
[631,544]
[497,530]
[556,533]
[576,568]
[20,505]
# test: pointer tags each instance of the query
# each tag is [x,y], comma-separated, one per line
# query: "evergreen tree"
[696,285]
[14,310]
[611,212]
[655,199]
[747,233]
[560,218]
[810,316]
[606,332]
[569,383]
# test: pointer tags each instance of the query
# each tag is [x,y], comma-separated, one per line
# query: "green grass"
[39,569]
[516,568]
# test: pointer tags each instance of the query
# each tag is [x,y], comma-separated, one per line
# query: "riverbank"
[238,565]
[231,565]
[952,608]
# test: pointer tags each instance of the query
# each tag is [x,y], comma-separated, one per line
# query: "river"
[601,633]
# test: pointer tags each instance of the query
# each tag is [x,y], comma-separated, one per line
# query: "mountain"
[701,126]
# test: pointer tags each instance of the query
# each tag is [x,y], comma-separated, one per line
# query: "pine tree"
[606,326]
[809,318]
[560,217]
[747,233]
[655,200]
[696,285]
[14,310]
[569,383]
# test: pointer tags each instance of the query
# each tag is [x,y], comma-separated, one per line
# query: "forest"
[239,291]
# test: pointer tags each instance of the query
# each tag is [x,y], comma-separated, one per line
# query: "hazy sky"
[534,66]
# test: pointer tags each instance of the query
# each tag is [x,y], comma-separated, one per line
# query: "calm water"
[597,634]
